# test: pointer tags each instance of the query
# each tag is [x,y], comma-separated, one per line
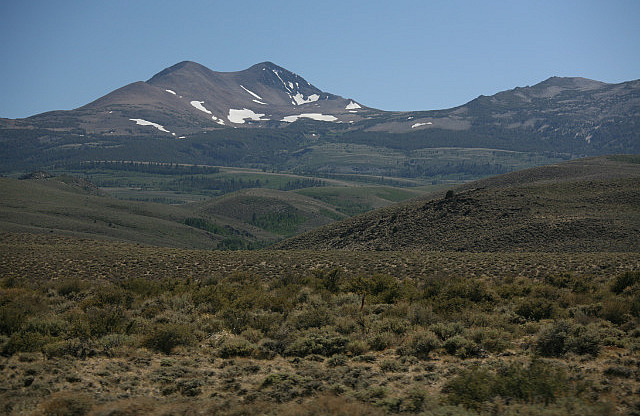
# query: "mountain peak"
[180,67]
[577,83]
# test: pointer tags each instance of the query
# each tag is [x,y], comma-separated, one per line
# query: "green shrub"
[535,309]
[314,316]
[420,314]
[390,366]
[634,307]
[445,330]
[562,337]
[329,279]
[72,347]
[70,287]
[420,344]
[337,360]
[16,306]
[537,382]
[110,295]
[469,289]
[357,347]
[379,341]
[236,346]
[470,388]
[379,288]
[142,287]
[283,387]
[165,337]
[24,341]
[110,342]
[615,311]
[491,339]
[552,340]
[107,320]
[325,343]
[625,280]
[584,340]
[462,347]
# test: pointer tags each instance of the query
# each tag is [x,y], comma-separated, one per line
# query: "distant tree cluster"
[219,185]
[301,184]
[158,168]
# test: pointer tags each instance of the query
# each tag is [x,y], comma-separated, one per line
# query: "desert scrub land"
[104,328]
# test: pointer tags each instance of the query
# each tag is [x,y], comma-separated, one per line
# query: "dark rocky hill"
[584,205]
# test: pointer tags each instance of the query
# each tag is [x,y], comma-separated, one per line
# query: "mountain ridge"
[189,113]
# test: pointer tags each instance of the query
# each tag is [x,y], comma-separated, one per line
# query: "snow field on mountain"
[251,92]
[313,116]
[200,106]
[299,98]
[142,122]
[238,116]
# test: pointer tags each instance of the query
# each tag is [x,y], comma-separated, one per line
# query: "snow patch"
[217,120]
[142,122]
[352,111]
[238,116]
[313,116]
[199,105]
[259,102]
[299,98]
[428,123]
[352,106]
[252,93]
[171,92]
[281,80]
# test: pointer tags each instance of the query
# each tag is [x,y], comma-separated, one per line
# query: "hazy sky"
[392,55]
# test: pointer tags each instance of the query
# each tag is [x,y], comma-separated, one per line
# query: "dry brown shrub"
[330,405]
[67,403]
[128,407]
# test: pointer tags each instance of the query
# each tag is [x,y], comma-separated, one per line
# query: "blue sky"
[400,55]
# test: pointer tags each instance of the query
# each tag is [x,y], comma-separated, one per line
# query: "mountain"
[188,98]
[270,118]
[585,205]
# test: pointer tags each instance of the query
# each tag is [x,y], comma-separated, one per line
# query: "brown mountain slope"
[584,205]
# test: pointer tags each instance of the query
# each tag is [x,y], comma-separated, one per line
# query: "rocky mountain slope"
[583,205]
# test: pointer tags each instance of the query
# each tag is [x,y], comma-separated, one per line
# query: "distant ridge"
[192,114]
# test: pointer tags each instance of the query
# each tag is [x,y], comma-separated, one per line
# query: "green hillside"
[194,208]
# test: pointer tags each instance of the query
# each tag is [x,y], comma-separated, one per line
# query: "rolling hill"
[586,205]
[244,219]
